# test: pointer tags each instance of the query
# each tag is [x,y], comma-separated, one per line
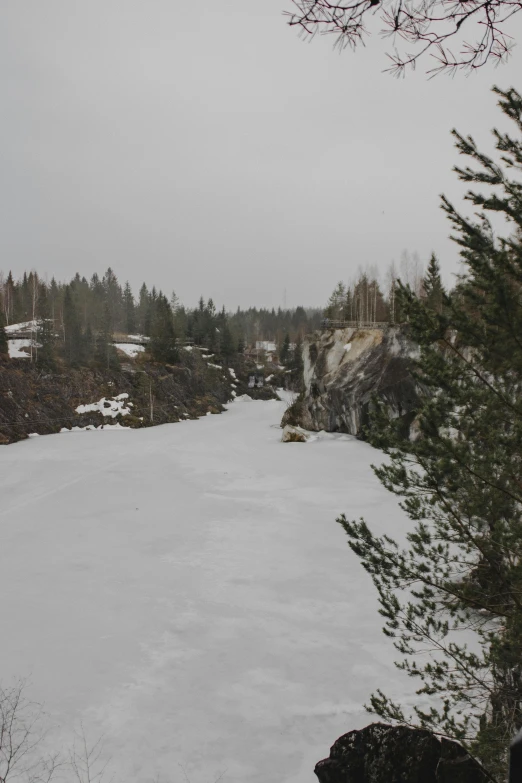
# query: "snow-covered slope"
[185,592]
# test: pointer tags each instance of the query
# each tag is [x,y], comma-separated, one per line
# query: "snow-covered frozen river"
[185,592]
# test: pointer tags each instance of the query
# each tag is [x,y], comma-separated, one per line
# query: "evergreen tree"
[71,330]
[433,289]
[130,314]
[227,343]
[54,299]
[144,318]
[175,304]
[9,299]
[335,307]
[46,338]
[349,305]
[163,346]
[105,352]
[151,309]
[88,345]
[24,300]
[4,347]
[97,299]
[212,339]
[114,299]
[285,350]
[460,481]
[180,320]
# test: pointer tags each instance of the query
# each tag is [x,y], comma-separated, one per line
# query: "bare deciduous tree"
[86,760]
[21,734]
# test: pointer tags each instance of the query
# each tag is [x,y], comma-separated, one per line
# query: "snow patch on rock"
[21,327]
[117,406]
[15,348]
[129,349]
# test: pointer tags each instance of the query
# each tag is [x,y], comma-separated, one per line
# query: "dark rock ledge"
[397,754]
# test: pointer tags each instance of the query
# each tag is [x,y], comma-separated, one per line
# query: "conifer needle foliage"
[451,597]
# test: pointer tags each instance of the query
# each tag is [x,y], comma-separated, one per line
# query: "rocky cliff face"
[345,368]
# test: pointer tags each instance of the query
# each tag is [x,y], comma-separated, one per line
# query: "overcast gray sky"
[204,147]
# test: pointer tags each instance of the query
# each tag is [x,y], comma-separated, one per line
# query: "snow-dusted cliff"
[345,368]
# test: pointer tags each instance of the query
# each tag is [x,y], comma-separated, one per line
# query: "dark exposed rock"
[397,754]
[345,368]
[33,400]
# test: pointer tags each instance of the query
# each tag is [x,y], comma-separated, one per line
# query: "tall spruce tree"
[144,308]
[72,335]
[105,352]
[460,482]
[227,346]
[285,350]
[336,303]
[163,346]
[432,284]
[9,298]
[130,310]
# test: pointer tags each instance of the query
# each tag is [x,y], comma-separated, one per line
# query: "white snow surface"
[186,593]
[138,337]
[129,349]
[21,327]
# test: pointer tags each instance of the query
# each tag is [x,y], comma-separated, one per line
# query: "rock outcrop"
[293,434]
[345,368]
[33,400]
[397,754]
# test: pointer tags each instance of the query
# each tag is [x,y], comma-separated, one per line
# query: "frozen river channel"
[185,593]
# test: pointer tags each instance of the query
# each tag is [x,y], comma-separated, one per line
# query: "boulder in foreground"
[397,754]
[294,434]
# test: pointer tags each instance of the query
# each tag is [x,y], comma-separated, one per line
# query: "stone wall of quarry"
[138,394]
[345,368]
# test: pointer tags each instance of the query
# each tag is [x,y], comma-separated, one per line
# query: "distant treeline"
[78,320]
[366,299]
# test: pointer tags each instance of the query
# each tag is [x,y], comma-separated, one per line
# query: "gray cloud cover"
[204,147]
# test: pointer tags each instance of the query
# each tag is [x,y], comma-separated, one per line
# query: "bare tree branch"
[21,732]
[428,24]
